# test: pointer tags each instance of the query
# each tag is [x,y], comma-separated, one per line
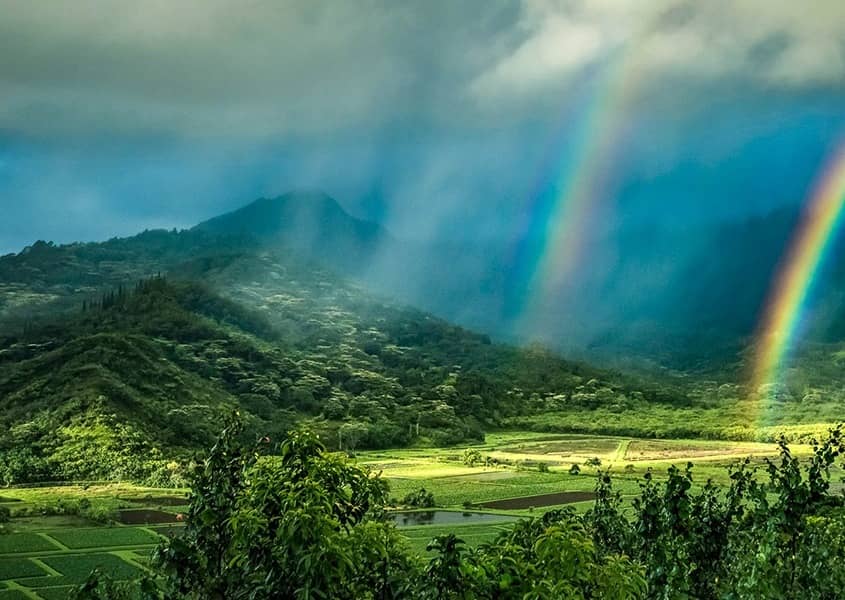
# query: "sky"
[439,119]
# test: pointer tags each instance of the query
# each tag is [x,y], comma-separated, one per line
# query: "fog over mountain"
[452,130]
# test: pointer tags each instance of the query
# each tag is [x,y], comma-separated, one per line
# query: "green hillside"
[108,378]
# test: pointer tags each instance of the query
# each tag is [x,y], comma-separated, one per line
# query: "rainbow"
[559,211]
[795,280]
[567,205]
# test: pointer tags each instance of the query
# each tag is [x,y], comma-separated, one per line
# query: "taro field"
[44,555]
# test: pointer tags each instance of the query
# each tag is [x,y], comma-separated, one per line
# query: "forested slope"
[137,348]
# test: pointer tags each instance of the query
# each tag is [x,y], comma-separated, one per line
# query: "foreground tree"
[303,524]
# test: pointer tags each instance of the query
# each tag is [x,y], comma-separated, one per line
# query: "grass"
[731,420]
[78,539]
[106,496]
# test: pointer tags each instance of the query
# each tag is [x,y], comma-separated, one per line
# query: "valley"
[122,361]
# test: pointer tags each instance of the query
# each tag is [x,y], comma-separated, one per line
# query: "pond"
[446,517]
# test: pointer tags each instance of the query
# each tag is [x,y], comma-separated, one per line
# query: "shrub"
[421,498]
[472,457]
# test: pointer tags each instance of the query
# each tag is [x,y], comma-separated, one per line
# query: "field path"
[622,450]
[50,570]
[11,585]
[55,542]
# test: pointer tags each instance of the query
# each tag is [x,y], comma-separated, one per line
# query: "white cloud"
[714,42]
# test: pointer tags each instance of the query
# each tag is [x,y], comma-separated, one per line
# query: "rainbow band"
[791,290]
[562,221]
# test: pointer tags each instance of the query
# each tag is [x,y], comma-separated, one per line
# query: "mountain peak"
[308,221]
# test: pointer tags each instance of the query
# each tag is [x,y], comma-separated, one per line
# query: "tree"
[472,457]
[303,524]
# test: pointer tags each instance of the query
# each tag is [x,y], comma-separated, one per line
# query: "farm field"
[53,541]
[52,544]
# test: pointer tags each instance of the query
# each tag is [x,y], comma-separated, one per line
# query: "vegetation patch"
[75,569]
[54,593]
[19,568]
[17,595]
[539,501]
[18,543]
[104,537]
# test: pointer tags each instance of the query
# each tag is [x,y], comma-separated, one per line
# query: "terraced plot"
[19,568]
[55,593]
[19,595]
[50,563]
[22,543]
[566,447]
[103,537]
[472,535]
[74,569]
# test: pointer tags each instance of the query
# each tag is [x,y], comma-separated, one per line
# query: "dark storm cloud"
[243,70]
[117,115]
[263,69]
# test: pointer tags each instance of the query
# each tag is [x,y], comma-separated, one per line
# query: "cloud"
[677,44]
[251,69]
[260,70]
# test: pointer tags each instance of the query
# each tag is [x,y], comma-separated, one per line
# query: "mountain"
[309,223]
[119,359]
[688,299]
[642,296]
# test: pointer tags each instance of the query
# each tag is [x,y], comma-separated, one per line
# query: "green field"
[43,555]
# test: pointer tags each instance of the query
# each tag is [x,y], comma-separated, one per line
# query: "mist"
[447,126]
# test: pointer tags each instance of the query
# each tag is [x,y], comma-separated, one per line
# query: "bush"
[472,457]
[421,498]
